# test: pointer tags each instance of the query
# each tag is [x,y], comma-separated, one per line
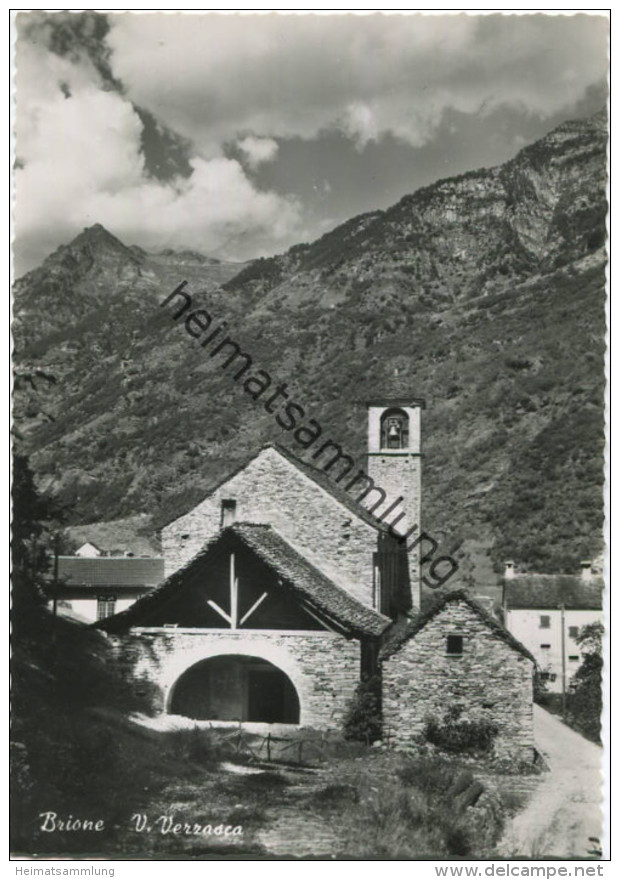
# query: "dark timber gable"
[249,577]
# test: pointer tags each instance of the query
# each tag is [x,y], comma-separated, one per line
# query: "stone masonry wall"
[323,666]
[272,490]
[490,676]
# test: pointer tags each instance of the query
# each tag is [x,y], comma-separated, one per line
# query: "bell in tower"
[394,429]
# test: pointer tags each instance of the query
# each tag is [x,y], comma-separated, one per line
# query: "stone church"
[282,592]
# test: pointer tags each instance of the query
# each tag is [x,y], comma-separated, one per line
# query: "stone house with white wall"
[92,588]
[546,612]
[283,591]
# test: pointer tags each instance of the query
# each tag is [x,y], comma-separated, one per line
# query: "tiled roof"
[132,534]
[553,590]
[297,573]
[397,637]
[309,581]
[110,571]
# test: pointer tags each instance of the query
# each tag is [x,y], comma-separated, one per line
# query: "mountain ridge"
[415,217]
[79,277]
[483,293]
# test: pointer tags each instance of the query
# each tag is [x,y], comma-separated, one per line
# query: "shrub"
[363,718]
[541,692]
[454,732]
[585,698]
[457,840]
[336,794]
[429,775]
[199,746]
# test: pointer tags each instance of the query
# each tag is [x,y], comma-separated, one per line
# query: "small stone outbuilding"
[457,657]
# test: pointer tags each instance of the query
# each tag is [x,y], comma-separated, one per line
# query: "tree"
[585,699]
[590,638]
[33,520]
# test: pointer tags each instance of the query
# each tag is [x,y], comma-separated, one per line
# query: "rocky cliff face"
[483,293]
[461,236]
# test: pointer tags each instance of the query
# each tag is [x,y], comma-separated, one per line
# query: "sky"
[241,135]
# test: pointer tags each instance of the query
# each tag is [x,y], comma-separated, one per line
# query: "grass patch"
[336,795]
[391,806]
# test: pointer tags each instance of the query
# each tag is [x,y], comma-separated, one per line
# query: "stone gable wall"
[271,490]
[323,666]
[421,680]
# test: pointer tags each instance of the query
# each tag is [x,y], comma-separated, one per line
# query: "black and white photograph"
[309,496]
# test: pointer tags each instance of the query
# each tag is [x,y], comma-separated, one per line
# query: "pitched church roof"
[298,575]
[322,479]
[399,635]
[552,590]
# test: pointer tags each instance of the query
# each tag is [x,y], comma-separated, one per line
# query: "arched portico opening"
[235,687]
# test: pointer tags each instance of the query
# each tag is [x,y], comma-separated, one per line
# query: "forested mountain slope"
[483,293]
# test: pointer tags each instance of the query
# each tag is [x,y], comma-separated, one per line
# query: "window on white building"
[573,632]
[545,647]
[545,621]
[574,658]
[105,606]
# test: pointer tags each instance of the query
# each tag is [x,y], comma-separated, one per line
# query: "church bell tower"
[394,463]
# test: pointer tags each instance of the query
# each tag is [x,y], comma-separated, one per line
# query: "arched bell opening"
[394,429]
[235,687]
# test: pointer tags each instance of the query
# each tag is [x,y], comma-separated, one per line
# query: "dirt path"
[295,829]
[564,815]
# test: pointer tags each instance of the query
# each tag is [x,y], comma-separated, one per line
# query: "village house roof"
[322,479]
[400,634]
[90,544]
[550,591]
[299,575]
[132,534]
[110,571]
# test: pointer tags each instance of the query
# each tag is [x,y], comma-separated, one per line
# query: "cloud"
[253,82]
[258,150]
[81,161]
[216,77]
